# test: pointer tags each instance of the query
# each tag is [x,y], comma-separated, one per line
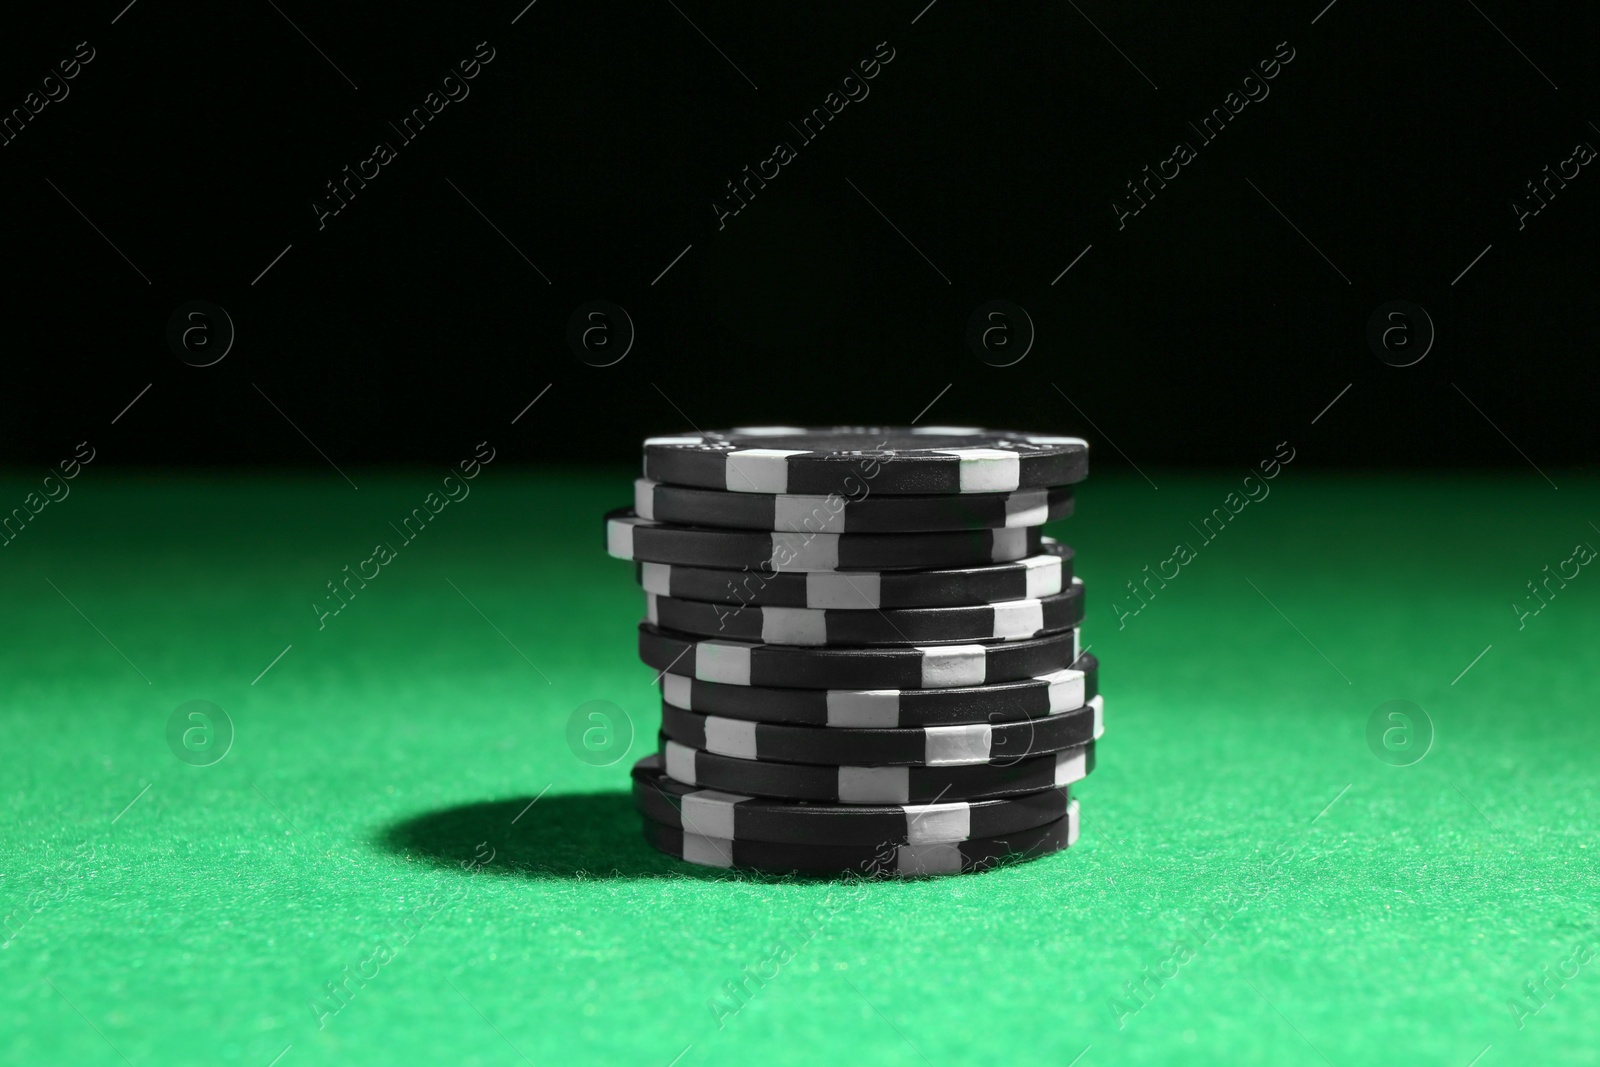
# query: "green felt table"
[1252,885]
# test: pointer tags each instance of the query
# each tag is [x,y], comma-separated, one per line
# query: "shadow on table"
[581,835]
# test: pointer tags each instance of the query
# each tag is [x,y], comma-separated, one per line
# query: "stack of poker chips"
[868,655]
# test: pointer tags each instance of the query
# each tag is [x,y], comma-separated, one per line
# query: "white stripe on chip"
[1044,575]
[843,589]
[793,626]
[874,785]
[707,851]
[945,666]
[941,858]
[709,813]
[1030,507]
[677,691]
[851,708]
[804,551]
[1017,618]
[619,538]
[927,823]
[1066,689]
[730,737]
[758,470]
[1072,765]
[1008,545]
[678,762]
[955,746]
[656,578]
[644,498]
[986,470]
[722,661]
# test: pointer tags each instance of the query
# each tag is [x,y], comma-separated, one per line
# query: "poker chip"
[884,667]
[732,817]
[869,657]
[857,461]
[1045,574]
[630,537]
[1008,620]
[1048,694]
[919,746]
[873,785]
[885,860]
[688,506]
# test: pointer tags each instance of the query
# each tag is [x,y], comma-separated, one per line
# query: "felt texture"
[1252,885]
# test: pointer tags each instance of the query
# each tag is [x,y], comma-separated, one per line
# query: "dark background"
[594,144]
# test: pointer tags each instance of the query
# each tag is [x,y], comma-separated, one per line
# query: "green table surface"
[1252,884]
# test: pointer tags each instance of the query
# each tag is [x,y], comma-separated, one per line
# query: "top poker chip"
[856,461]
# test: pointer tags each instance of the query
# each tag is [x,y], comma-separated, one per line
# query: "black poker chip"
[873,785]
[915,667]
[710,813]
[920,746]
[885,860]
[857,461]
[1045,574]
[1008,620]
[1028,698]
[630,537]
[875,513]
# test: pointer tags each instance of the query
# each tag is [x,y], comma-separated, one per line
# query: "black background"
[996,140]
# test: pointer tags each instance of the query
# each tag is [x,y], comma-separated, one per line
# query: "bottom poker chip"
[886,860]
[730,816]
